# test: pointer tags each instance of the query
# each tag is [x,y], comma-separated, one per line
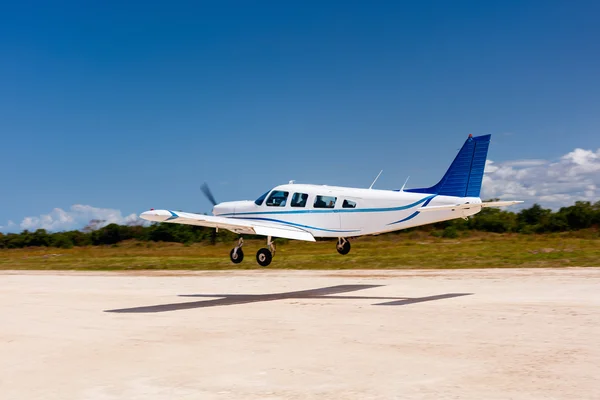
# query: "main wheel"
[343,249]
[236,256]
[264,257]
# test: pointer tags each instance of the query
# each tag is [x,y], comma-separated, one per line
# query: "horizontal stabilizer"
[501,203]
[468,206]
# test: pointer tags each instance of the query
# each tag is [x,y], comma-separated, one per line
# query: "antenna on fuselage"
[405,182]
[370,187]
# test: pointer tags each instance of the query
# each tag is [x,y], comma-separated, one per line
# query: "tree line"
[533,220]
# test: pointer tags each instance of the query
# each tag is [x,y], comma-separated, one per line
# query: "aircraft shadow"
[320,293]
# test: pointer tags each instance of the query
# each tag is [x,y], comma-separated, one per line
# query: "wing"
[237,225]
[468,206]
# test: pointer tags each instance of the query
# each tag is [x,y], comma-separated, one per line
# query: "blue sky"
[124,107]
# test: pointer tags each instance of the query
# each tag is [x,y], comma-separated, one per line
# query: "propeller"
[206,190]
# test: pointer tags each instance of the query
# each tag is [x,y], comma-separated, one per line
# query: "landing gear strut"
[264,256]
[237,255]
[343,246]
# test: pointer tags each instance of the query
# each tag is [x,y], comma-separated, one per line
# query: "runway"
[423,334]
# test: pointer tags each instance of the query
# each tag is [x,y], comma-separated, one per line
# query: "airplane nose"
[223,208]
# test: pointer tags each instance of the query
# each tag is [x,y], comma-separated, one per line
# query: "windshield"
[262,198]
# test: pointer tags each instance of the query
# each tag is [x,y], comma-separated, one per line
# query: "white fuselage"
[349,212]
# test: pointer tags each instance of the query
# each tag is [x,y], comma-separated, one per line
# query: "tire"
[239,256]
[264,257]
[343,249]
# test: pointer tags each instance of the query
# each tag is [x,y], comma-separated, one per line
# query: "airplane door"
[350,218]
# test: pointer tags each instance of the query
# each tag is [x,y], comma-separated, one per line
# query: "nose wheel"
[236,254]
[343,246]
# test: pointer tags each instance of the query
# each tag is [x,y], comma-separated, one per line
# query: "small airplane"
[306,212]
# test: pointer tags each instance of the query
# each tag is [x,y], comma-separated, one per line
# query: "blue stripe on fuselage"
[339,210]
[411,216]
[297,225]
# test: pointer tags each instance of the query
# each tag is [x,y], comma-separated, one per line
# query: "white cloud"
[10,225]
[575,176]
[77,217]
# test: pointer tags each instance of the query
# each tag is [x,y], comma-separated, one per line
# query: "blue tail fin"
[465,175]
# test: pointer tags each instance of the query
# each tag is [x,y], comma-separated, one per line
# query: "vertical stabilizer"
[465,175]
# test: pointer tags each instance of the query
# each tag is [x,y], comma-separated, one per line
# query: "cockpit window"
[260,200]
[277,198]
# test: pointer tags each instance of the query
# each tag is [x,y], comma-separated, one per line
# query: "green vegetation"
[415,249]
[533,237]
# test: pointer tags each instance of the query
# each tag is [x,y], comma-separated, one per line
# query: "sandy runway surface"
[443,334]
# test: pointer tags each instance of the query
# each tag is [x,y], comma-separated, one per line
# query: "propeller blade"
[206,190]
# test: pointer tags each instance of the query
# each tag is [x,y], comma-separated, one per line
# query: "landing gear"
[237,255]
[343,246]
[264,256]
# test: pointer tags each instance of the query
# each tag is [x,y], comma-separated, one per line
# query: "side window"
[299,200]
[277,198]
[349,204]
[325,202]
